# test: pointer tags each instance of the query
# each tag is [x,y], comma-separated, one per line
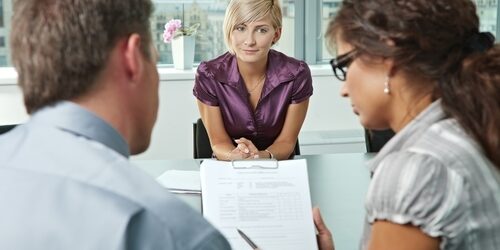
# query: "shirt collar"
[410,133]
[73,118]
[278,70]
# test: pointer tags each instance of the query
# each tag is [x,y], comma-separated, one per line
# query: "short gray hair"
[60,46]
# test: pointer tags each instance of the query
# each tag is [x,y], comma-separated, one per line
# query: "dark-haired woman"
[423,69]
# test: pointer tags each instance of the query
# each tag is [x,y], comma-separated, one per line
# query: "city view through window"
[210,15]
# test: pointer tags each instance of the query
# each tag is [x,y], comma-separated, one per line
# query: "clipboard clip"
[255,164]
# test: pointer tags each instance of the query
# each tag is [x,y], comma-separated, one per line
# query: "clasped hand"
[245,149]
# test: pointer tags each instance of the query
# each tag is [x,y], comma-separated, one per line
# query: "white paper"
[179,180]
[272,206]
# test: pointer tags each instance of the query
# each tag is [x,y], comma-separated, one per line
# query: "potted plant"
[183,41]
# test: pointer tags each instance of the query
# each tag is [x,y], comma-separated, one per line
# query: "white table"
[338,184]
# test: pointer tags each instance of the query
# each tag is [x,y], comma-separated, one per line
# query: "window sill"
[8,76]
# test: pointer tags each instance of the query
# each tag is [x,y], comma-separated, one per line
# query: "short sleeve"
[205,85]
[416,188]
[302,87]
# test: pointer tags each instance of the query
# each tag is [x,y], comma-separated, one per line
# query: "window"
[4,32]
[286,44]
[1,14]
[302,35]
[3,61]
[210,16]
[486,9]
[328,11]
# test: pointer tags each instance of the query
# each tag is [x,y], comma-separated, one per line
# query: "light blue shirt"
[66,183]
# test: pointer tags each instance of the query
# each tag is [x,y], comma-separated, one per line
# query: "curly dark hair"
[437,40]
[60,46]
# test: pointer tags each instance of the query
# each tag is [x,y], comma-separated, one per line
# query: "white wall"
[172,136]
[11,105]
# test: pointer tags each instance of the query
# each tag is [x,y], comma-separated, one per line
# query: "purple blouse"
[218,83]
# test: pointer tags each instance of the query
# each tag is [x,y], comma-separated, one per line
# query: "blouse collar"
[410,133]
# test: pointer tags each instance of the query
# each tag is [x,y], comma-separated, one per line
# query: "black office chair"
[201,142]
[376,139]
[6,128]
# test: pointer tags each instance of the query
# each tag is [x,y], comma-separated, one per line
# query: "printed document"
[268,200]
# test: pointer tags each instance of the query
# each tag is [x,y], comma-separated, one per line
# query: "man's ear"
[132,59]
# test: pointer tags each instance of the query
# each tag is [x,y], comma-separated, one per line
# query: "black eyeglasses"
[341,63]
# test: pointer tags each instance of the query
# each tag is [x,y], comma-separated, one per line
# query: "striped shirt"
[436,177]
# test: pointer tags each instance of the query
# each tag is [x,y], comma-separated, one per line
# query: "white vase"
[183,52]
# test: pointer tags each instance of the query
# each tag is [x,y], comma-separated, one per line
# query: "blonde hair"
[247,11]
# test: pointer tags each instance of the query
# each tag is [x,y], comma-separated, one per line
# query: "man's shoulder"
[94,216]
[54,156]
[99,190]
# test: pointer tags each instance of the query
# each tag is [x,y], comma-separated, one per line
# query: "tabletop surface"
[337,182]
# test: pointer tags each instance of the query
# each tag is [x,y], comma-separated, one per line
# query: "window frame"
[307,32]
[498,21]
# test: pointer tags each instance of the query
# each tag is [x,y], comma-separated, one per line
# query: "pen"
[184,191]
[248,240]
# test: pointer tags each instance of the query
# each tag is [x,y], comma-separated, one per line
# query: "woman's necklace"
[257,85]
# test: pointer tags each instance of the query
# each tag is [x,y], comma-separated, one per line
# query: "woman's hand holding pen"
[324,236]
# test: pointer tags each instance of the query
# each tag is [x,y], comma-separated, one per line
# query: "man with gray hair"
[87,70]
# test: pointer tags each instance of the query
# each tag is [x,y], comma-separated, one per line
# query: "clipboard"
[255,164]
[268,199]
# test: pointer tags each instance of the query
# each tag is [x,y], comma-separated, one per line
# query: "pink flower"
[170,28]
[174,29]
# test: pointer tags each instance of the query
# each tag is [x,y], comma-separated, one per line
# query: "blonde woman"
[253,99]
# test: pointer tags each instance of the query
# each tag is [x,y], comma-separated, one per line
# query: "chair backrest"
[6,128]
[376,139]
[201,142]
[296,150]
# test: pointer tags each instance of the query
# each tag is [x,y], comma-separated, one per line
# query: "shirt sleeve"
[204,86]
[302,87]
[146,231]
[418,189]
